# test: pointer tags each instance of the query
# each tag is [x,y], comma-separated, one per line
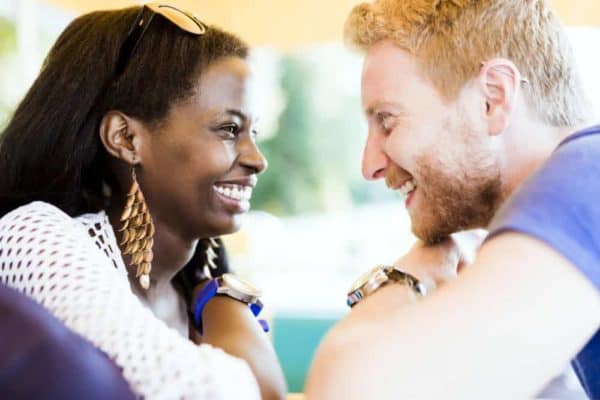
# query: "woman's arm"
[229,324]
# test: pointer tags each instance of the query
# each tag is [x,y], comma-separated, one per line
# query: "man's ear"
[500,80]
[120,137]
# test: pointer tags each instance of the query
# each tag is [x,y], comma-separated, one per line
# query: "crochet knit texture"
[73,267]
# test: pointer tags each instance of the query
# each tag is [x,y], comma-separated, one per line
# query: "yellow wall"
[293,23]
[578,12]
[287,24]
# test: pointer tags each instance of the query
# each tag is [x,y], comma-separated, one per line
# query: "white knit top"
[74,268]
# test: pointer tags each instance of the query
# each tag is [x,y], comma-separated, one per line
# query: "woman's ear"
[120,137]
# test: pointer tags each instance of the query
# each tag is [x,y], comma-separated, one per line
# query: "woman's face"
[198,171]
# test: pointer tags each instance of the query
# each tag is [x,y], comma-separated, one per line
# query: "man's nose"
[374,160]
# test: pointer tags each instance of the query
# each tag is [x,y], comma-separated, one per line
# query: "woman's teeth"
[235,192]
[407,188]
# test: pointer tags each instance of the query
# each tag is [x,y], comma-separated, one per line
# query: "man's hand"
[435,264]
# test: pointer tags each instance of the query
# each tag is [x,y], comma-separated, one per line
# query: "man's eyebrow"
[372,109]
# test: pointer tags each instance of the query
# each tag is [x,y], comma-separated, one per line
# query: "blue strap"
[264,325]
[208,292]
[256,309]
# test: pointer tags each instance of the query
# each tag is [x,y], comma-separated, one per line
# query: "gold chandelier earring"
[138,232]
[211,256]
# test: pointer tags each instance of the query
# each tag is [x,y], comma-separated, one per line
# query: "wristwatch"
[378,277]
[231,286]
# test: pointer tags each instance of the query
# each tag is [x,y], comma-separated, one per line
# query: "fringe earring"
[211,256]
[138,232]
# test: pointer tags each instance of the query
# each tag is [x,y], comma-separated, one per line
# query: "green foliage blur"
[315,156]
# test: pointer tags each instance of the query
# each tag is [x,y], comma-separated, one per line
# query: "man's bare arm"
[502,329]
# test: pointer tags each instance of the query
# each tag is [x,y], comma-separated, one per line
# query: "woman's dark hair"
[51,150]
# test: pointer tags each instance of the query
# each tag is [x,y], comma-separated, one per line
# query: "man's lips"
[407,187]
[404,186]
[396,177]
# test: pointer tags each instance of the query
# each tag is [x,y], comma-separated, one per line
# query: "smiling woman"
[136,145]
[196,165]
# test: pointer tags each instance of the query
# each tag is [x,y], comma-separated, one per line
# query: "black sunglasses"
[184,20]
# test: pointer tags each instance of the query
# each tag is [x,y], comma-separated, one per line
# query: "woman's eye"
[232,129]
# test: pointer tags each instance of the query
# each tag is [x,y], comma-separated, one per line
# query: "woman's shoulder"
[40,242]
[39,228]
[35,213]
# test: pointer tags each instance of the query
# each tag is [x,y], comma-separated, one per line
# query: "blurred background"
[316,224]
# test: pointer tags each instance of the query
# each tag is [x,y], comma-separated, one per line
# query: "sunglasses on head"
[184,20]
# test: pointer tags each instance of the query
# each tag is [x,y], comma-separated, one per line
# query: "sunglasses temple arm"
[133,40]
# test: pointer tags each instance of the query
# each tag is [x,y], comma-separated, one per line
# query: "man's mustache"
[396,177]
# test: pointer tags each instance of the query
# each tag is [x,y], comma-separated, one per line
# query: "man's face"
[435,151]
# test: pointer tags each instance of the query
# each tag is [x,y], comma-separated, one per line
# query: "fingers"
[468,244]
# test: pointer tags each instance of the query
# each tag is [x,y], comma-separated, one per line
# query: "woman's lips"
[236,197]
[233,191]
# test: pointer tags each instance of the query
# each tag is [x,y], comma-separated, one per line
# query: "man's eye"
[386,121]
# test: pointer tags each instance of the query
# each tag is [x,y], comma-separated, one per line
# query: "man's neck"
[527,149]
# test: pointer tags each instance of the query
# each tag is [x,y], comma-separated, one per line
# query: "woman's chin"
[226,225]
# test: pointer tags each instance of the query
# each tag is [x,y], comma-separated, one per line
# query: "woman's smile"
[235,194]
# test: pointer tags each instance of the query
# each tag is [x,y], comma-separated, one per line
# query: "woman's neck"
[171,254]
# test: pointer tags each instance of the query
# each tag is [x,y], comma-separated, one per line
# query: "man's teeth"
[407,188]
[235,192]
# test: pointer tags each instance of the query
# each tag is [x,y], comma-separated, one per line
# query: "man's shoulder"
[574,165]
[579,138]
[558,204]
[571,175]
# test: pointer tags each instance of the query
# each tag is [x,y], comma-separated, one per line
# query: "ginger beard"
[456,190]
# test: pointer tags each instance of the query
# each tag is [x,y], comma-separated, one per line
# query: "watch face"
[365,278]
[240,285]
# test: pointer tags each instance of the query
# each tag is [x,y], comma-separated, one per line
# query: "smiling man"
[437,152]
[472,108]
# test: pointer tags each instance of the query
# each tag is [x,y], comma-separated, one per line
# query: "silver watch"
[238,289]
[378,277]
[231,286]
